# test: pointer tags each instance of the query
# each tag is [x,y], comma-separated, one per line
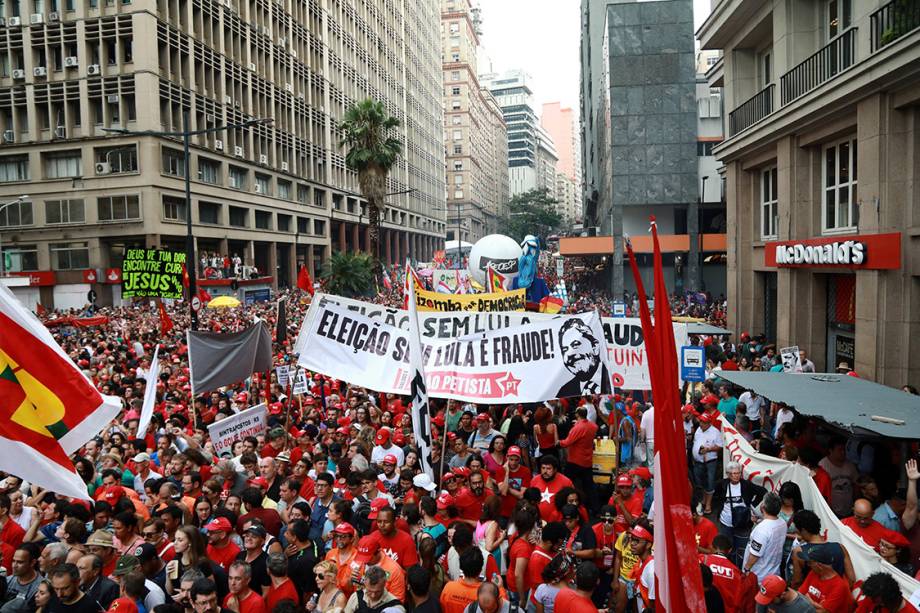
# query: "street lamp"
[186,135]
[3,206]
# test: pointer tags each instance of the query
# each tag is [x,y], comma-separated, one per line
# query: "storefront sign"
[37,277]
[112,275]
[869,251]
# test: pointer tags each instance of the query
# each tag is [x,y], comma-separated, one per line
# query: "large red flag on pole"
[304,281]
[677,568]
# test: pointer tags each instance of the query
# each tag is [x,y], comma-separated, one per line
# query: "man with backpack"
[374,597]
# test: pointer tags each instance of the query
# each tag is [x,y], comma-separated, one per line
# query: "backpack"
[363,607]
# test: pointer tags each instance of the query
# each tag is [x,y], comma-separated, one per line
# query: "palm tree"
[348,274]
[372,151]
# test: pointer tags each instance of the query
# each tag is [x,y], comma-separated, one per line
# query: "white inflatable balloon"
[499,250]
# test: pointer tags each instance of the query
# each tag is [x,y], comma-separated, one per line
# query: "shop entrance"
[841,321]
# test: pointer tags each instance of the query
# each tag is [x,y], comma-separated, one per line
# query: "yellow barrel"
[605,460]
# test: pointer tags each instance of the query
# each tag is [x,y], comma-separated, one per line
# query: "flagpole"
[191,404]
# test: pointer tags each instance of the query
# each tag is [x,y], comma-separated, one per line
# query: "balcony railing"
[828,62]
[751,111]
[893,21]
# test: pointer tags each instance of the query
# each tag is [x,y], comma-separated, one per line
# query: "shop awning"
[850,403]
[708,329]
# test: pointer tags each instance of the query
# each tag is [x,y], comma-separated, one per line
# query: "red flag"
[203,295]
[40,310]
[185,279]
[166,323]
[304,281]
[677,567]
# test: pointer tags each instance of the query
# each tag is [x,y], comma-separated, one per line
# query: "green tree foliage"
[532,212]
[348,274]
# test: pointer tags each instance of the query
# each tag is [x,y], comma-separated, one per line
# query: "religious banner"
[251,422]
[500,301]
[625,341]
[147,273]
[771,473]
[550,358]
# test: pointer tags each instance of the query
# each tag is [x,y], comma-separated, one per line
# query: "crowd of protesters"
[329,509]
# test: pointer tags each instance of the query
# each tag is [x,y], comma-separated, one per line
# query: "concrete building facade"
[562,127]
[276,194]
[822,163]
[474,129]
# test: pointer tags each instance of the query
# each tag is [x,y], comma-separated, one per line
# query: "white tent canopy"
[452,245]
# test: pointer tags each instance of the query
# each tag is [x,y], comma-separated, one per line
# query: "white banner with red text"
[551,358]
[251,422]
[771,473]
[625,342]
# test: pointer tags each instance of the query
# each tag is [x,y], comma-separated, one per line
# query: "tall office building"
[532,155]
[275,194]
[474,130]
[562,127]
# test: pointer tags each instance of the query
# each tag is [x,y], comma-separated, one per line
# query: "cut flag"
[203,295]
[677,568]
[421,415]
[281,327]
[304,282]
[150,393]
[48,408]
[216,359]
[166,323]
[495,281]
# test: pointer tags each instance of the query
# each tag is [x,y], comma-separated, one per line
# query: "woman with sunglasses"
[330,597]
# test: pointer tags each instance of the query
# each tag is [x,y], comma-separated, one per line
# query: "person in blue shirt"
[728,404]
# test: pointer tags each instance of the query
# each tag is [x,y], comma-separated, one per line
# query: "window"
[458,134]
[458,149]
[455,57]
[303,193]
[319,197]
[118,208]
[20,258]
[284,189]
[769,204]
[454,27]
[208,171]
[458,194]
[209,212]
[838,14]
[63,164]
[712,60]
[319,227]
[263,184]
[458,179]
[239,217]
[263,220]
[840,171]
[174,208]
[69,256]
[455,105]
[455,120]
[303,225]
[121,159]
[173,162]
[284,223]
[458,164]
[14,169]
[19,213]
[454,91]
[64,211]
[455,75]
[238,177]
[765,66]
[704,148]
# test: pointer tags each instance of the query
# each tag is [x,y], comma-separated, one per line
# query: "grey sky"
[541,37]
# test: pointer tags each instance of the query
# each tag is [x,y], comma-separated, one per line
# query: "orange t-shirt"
[457,595]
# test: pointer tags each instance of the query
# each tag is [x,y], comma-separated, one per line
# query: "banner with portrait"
[625,341]
[541,360]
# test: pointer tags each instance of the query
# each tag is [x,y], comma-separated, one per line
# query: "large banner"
[771,473]
[449,278]
[514,300]
[146,273]
[625,342]
[550,358]
[251,422]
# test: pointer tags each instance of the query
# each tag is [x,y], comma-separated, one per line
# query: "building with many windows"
[475,139]
[822,167]
[275,193]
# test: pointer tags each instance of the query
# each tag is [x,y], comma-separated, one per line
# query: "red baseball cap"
[438,420]
[445,500]
[367,547]
[390,459]
[641,533]
[514,450]
[344,528]
[452,436]
[377,505]
[399,439]
[342,431]
[710,399]
[624,481]
[383,435]
[113,494]
[221,524]
[483,417]
[642,472]
[462,471]
[770,589]
[258,482]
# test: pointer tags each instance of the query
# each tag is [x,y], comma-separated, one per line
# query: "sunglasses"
[609,520]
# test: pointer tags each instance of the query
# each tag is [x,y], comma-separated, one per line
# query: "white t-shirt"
[648,578]
[766,543]
[379,453]
[647,425]
[784,415]
[753,404]
[706,438]
[732,499]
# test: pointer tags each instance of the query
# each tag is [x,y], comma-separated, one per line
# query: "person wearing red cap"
[370,554]
[470,500]
[705,448]
[384,446]
[643,571]
[343,554]
[513,479]
[890,546]
[221,549]
[389,477]
[775,595]
[481,438]
[395,544]
[628,503]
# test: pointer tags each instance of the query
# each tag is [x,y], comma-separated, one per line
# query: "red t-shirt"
[308,489]
[570,600]
[400,548]
[520,548]
[705,532]
[519,479]
[865,605]
[252,603]
[284,591]
[223,555]
[166,550]
[470,506]
[548,491]
[604,540]
[538,561]
[823,481]
[12,533]
[871,535]
[633,504]
[833,594]
[726,578]
[268,451]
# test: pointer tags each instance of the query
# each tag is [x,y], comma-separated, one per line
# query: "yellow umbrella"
[223,301]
